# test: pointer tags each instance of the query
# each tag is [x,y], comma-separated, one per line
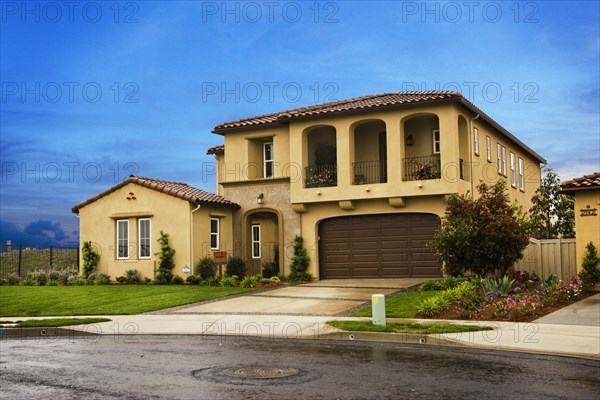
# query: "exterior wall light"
[409,140]
[260,199]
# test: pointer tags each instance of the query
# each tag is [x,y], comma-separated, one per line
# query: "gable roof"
[176,189]
[392,100]
[591,181]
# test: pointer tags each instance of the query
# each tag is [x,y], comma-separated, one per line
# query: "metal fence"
[548,256]
[21,259]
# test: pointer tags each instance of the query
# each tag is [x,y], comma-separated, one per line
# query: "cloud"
[42,227]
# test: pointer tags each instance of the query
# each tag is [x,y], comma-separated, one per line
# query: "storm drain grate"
[255,375]
[260,372]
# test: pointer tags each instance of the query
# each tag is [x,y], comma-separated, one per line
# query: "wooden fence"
[548,256]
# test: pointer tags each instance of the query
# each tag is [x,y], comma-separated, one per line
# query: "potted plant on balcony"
[424,171]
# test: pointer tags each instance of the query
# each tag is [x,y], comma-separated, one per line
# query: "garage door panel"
[378,246]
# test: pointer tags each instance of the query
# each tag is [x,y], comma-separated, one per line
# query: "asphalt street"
[196,367]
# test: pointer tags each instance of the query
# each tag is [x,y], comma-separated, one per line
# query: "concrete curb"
[41,332]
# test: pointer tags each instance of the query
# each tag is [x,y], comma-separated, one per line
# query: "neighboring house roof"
[176,189]
[216,149]
[368,103]
[591,181]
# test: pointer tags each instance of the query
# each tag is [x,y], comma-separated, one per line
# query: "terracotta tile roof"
[216,149]
[354,104]
[177,189]
[372,102]
[583,182]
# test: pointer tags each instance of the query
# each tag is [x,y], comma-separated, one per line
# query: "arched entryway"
[262,234]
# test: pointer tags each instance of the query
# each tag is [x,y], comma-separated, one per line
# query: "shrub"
[147,280]
[249,282]
[13,279]
[76,280]
[63,275]
[484,236]
[53,275]
[210,281]
[432,306]
[236,266]
[28,282]
[40,277]
[264,281]
[166,263]
[177,280]
[430,285]
[2,282]
[493,286]
[590,274]
[90,258]
[193,279]
[267,269]
[52,282]
[102,277]
[300,261]
[282,277]
[122,279]
[206,268]
[229,281]
[275,279]
[133,276]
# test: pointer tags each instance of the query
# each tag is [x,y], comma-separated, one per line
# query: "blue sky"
[94,91]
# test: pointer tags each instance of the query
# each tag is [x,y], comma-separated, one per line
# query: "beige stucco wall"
[587,227]
[167,213]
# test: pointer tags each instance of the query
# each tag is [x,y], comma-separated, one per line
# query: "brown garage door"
[378,246]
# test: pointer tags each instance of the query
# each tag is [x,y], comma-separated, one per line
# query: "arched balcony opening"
[321,156]
[422,147]
[370,153]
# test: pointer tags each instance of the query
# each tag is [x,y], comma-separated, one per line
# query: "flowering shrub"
[424,171]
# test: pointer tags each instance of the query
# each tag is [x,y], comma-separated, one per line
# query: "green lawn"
[30,301]
[403,305]
[54,322]
[413,328]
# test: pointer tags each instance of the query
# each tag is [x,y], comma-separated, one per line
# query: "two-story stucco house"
[363,180]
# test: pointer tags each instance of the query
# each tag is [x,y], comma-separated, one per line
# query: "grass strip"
[54,322]
[403,305]
[34,301]
[414,328]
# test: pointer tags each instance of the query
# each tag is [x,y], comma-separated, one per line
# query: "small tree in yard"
[553,213]
[166,263]
[484,236]
[90,258]
[300,260]
[590,273]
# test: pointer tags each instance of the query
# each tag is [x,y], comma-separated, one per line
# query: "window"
[268,160]
[521,175]
[488,146]
[499,149]
[214,233]
[513,170]
[476,140]
[144,237]
[503,160]
[436,141]
[255,241]
[122,239]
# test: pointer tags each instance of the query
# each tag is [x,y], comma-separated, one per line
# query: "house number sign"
[588,212]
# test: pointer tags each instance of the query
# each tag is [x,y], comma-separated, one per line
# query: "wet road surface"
[194,367]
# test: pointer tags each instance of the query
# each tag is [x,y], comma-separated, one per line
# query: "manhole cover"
[260,372]
[255,375]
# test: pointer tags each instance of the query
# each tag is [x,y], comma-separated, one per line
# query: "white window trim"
[140,238]
[118,235]
[436,149]
[476,140]
[521,175]
[217,234]
[499,149]
[488,145]
[513,170]
[503,160]
[256,240]
[265,160]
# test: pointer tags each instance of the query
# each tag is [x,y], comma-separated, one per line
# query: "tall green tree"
[90,258]
[165,257]
[300,260]
[484,236]
[553,213]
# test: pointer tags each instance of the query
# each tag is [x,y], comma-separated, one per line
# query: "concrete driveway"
[323,298]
